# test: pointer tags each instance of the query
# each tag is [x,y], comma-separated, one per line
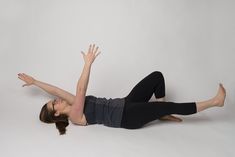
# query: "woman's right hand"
[26,78]
[91,54]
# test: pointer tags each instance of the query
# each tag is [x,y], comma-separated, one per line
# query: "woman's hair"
[60,121]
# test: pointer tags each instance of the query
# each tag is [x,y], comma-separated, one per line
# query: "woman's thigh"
[152,84]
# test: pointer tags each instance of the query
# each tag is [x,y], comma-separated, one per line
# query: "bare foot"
[220,96]
[170,118]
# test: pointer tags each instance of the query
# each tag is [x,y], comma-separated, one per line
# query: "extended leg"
[218,100]
[138,114]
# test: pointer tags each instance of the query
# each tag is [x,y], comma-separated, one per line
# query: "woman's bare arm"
[53,90]
[78,105]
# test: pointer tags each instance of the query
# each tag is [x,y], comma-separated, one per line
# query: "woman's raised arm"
[78,105]
[53,90]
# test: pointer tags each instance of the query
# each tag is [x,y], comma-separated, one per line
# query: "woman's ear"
[57,114]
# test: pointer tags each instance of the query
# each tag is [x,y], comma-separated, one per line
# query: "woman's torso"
[103,111]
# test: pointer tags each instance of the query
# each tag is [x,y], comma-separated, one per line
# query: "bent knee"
[157,74]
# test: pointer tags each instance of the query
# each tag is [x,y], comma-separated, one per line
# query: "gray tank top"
[104,111]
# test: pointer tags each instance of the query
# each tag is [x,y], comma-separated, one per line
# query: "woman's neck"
[67,110]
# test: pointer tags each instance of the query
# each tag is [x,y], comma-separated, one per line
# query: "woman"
[130,112]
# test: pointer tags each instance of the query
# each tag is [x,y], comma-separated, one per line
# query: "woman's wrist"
[88,64]
[34,82]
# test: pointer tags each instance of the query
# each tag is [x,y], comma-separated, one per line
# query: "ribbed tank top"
[104,111]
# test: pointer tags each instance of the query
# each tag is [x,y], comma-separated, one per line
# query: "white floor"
[209,133]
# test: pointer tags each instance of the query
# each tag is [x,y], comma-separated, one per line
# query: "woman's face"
[57,105]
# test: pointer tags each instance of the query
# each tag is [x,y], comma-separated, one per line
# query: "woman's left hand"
[29,80]
[91,54]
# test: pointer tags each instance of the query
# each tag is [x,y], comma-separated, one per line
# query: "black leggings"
[138,111]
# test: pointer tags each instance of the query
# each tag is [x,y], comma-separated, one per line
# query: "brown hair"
[60,121]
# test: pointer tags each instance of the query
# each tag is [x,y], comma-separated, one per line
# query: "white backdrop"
[190,42]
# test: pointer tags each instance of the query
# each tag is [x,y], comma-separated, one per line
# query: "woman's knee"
[157,74]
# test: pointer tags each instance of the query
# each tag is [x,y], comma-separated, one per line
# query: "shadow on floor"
[186,120]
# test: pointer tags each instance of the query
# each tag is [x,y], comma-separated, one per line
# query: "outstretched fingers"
[93,47]
[90,46]
[26,78]
[21,76]
[97,54]
[94,50]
